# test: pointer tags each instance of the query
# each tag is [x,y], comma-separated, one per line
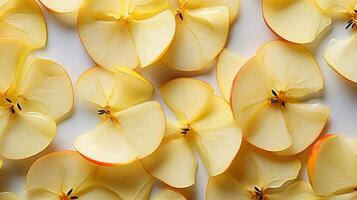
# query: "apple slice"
[288,19]
[228,66]
[339,7]
[65,175]
[7,196]
[200,36]
[132,127]
[27,106]
[23,20]
[205,121]
[165,194]
[331,166]
[131,35]
[268,94]
[339,55]
[254,175]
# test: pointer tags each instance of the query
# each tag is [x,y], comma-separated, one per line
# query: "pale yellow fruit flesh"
[60,172]
[228,66]
[166,194]
[27,134]
[337,6]
[128,181]
[296,191]
[288,19]
[217,137]
[225,187]
[64,6]
[44,81]
[290,70]
[332,167]
[200,37]
[23,20]
[339,55]
[119,34]
[7,196]
[135,133]
[174,163]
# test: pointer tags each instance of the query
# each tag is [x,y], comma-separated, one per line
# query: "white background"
[247,35]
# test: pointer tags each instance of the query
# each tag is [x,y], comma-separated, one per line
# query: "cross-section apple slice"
[268,95]
[205,121]
[132,127]
[23,20]
[64,6]
[201,35]
[125,33]
[340,56]
[252,175]
[65,175]
[288,19]
[228,66]
[332,166]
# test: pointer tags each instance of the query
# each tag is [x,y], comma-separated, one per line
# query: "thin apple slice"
[281,73]
[44,81]
[252,175]
[23,20]
[125,32]
[128,181]
[40,194]
[12,53]
[165,194]
[29,134]
[347,196]
[60,172]
[64,6]
[339,55]
[218,136]
[288,19]
[208,28]
[120,140]
[194,92]
[296,191]
[7,196]
[228,66]
[331,166]
[174,163]
[305,123]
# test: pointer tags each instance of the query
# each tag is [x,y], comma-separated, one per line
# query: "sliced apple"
[27,106]
[253,174]
[8,196]
[132,127]
[65,175]
[131,33]
[331,166]
[268,95]
[201,35]
[228,66]
[337,6]
[65,6]
[166,194]
[288,19]
[205,121]
[23,20]
[296,191]
[339,55]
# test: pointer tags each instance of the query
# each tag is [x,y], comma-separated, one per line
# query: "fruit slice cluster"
[268,98]
[332,167]
[23,20]
[298,21]
[256,174]
[128,33]
[131,125]
[29,103]
[202,28]
[204,121]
